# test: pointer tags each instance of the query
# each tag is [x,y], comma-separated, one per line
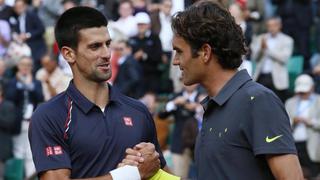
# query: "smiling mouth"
[104,66]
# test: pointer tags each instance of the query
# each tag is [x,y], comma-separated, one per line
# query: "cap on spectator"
[303,83]
[142,18]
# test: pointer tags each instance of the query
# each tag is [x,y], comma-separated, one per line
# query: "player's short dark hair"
[75,19]
[208,22]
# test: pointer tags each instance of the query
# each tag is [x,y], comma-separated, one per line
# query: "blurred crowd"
[283,54]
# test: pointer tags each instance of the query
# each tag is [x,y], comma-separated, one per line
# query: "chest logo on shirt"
[128,121]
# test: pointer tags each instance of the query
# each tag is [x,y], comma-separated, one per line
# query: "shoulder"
[257,92]
[53,111]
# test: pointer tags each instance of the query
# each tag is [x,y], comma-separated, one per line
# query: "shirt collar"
[240,78]
[84,104]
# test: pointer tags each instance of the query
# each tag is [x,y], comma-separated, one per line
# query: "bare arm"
[285,167]
[64,174]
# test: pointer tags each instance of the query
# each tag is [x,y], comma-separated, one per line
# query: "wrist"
[126,172]
[163,175]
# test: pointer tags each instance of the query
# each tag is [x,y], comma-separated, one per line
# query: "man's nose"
[175,61]
[106,52]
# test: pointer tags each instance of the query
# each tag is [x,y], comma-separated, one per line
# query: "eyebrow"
[98,43]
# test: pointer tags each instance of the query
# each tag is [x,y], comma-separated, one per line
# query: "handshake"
[141,162]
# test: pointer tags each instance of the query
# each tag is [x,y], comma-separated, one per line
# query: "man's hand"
[145,157]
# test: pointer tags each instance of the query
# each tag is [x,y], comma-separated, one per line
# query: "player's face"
[189,66]
[93,54]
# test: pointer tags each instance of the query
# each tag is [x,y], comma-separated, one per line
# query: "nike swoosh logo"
[269,140]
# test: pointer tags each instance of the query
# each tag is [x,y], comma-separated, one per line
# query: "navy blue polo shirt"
[71,132]
[244,122]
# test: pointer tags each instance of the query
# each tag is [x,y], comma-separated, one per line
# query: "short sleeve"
[49,149]
[268,130]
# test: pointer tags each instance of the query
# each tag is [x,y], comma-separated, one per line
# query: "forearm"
[285,167]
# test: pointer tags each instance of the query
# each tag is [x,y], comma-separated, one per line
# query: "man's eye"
[94,47]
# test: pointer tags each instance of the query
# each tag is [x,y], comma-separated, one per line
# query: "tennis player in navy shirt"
[245,132]
[85,131]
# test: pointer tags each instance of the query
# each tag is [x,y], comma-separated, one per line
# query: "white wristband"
[126,172]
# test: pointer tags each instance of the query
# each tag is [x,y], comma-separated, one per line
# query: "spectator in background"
[28,28]
[126,23]
[26,93]
[147,50]
[271,52]
[161,26]
[238,13]
[297,20]
[52,78]
[7,119]
[162,124]
[49,11]
[303,109]
[183,107]
[5,11]
[5,37]
[110,7]
[128,79]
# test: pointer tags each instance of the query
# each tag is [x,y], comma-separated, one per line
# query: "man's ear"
[206,52]
[68,54]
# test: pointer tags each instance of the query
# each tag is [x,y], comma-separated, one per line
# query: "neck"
[215,82]
[97,93]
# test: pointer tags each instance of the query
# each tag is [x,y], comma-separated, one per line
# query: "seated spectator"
[29,29]
[26,93]
[52,78]
[126,23]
